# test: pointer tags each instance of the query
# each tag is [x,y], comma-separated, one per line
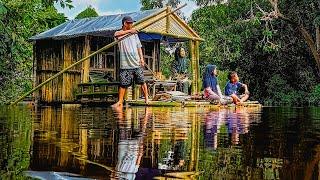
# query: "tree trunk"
[318,38]
[313,47]
[307,37]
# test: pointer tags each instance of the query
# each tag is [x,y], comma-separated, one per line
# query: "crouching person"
[233,89]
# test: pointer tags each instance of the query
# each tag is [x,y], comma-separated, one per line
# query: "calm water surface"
[76,142]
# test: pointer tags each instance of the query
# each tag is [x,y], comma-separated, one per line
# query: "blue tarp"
[102,25]
[151,36]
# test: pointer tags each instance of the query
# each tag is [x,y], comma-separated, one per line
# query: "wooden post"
[86,64]
[193,67]
[197,58]
[34,73]
[168,20]
[67,61]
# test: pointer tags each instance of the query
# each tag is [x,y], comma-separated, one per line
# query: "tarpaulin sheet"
[102,25]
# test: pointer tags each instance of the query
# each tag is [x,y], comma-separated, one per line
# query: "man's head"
[127,22]
[233,77]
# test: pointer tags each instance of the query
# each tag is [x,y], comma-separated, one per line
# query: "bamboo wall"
[49,61]
[73,51]
[51,56]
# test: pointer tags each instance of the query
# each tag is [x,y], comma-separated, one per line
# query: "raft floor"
[189,104]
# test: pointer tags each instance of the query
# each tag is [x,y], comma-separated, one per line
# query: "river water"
[79,142]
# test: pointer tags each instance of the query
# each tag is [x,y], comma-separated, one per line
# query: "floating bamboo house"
[65,44]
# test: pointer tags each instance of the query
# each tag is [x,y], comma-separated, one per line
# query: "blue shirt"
[232,88]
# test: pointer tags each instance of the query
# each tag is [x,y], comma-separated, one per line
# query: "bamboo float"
[254,104]
[97,52]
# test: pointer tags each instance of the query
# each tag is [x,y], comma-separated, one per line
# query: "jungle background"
[274,45]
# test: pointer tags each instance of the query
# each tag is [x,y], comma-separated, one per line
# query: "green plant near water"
[15,142]
[314,97]
[19,20]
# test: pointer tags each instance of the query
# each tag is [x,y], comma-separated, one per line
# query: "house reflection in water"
[99,142]
[162,143]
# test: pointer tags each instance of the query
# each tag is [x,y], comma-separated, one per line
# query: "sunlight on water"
[79,142]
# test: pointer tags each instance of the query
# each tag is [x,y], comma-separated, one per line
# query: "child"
[210,84]
[232,89]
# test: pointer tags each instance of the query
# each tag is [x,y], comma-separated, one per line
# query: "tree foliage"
[271,56]
[151,4]
[19,21]
[88,12]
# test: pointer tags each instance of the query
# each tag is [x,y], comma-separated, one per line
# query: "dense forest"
[274,45]
[271,44]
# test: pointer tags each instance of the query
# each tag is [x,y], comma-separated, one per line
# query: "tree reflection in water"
[159,143]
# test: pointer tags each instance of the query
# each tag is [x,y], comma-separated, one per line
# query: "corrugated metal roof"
[91,26]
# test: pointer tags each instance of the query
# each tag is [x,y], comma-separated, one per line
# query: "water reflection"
[228,123]
[130,146]
[117,143]
[160,143]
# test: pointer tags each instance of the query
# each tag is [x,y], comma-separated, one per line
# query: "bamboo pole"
[97,52]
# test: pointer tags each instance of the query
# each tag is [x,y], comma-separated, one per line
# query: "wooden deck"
[189,104]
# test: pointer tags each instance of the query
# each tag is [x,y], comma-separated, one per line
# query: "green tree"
[19,21]
[270,56]
[89,12]
[151,4]
[303,16]
[63,3]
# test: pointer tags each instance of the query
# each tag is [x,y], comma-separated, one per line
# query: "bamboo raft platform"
[191,103]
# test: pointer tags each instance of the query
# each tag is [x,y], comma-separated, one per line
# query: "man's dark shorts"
[128,76]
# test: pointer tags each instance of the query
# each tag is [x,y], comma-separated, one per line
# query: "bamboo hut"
[59,47]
